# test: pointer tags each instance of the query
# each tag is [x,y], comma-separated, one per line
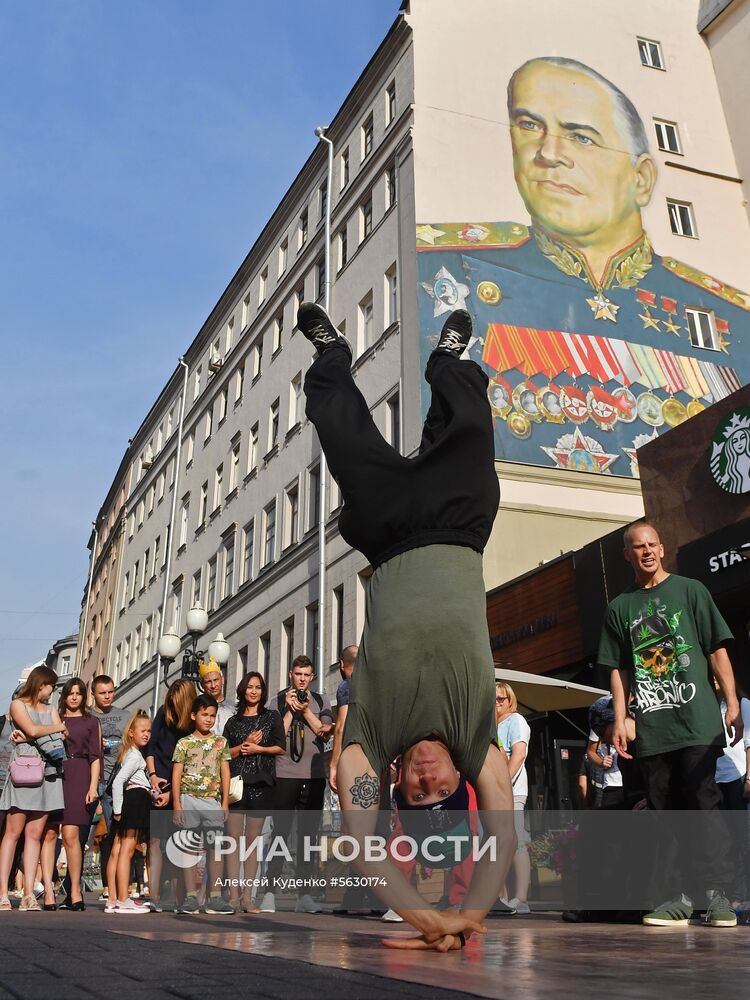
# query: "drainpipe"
[320,132]
[82,644]
[170,534]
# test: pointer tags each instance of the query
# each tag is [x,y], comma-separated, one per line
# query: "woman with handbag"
[34,787]
[171,723]
[81,769]
[255,735]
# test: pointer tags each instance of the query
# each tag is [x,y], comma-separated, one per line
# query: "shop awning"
[539,693]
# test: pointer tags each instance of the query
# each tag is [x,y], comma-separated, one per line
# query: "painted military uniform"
[583,371]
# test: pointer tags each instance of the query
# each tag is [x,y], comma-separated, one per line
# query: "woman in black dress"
[256,737]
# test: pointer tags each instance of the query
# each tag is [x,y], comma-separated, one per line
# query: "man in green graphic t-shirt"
[665,640]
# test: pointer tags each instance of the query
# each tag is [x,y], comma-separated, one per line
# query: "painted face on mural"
[571,158]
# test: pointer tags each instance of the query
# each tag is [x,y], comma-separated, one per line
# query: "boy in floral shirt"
[200,785]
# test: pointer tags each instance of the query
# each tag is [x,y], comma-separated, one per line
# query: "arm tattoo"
[365,791]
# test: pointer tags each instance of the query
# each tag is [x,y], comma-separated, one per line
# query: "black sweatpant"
[447,494]
[698,843]
[305,795]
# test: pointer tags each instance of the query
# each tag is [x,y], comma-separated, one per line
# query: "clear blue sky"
[142,147]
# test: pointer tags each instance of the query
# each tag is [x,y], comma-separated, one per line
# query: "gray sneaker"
[190,905]
[216,904]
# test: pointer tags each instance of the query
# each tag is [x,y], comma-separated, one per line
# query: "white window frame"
[664,132]
[679,212]
[269,516]
[647,48]
[697,330]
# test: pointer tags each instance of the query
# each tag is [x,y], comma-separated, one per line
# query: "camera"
[301,696]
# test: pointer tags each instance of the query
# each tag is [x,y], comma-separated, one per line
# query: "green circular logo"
[730,452]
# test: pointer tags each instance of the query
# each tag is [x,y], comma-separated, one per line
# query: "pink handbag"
[26,771]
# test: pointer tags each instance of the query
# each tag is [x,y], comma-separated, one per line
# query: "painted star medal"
[602,407]
[627,404]
[573,404]
[578,453]
[446,292]
[603,308]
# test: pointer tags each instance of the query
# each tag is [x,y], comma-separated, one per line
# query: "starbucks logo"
[730,453]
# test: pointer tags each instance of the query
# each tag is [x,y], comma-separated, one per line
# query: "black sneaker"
[455,335]
[316,326]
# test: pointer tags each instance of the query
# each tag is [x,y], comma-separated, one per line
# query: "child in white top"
[131,801]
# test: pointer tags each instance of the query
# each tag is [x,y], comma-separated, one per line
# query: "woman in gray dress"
[29,807]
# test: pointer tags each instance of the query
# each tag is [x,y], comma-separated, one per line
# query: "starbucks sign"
[730,452]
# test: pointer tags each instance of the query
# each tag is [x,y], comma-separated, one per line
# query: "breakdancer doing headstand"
[424,685]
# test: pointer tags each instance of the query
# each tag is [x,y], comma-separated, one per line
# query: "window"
[338,618]
[283,256]
[367,137]
[295,400]
[287,640]
[171,468]
[177,605]
[144,570]
[184,520]
[150,495]
[197,383]
[234,465]
[390,103]
[366,325]
[248,546]
[125,591]
[667,137]
[136,654]
[702,329]
[320,284]
[343,249]
[311,631]
[190,449]
[291,515]
[218,487]
[313,496]
[278,330]
[155,564]
[391,295]
[390,186]
[116,669]
[269,533]
[323,199]
[239,384]
[140,513]
[252,453]
[159,440]
[170,422]
[366,218]
[299,298]
[211,590]
[263,288]
[203,506]
[160,485]
[197,591]
[650,53]
[393,430]
[304,226]
[681,219]
[146,654]
[155,632]
[125,657]
[257,358]
[131,525]
[344,168]
[229,336]
[264,654]
[245,311]
[223,406]
[134,581]
[228,569]
[242,661]
[209,424]
[273,425]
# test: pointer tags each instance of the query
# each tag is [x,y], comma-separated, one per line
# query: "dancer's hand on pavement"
[443,939]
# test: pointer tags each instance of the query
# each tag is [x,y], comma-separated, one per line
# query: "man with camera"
[300,774]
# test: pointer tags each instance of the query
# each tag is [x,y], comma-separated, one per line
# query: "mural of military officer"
[579,299]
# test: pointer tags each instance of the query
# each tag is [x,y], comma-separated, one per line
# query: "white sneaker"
[268,903]
[519,905]
[391,917]
[306,904]
[128,906]
[110,907]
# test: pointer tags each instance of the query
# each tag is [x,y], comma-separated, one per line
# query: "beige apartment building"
[423,167]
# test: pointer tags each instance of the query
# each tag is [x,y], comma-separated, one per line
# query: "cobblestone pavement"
[56,956]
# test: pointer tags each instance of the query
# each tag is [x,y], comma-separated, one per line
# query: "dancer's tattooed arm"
[365,791]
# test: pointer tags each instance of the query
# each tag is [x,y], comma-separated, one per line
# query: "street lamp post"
[170,645]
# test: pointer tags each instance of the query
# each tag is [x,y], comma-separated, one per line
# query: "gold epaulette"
[471,234]
[696,277]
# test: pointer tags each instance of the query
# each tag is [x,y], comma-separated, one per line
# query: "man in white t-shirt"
[733,781]
[514,734]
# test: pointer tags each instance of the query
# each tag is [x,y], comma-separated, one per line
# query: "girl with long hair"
[131,807]
[255,735]
[171,723]
[81,769]
[28,807]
